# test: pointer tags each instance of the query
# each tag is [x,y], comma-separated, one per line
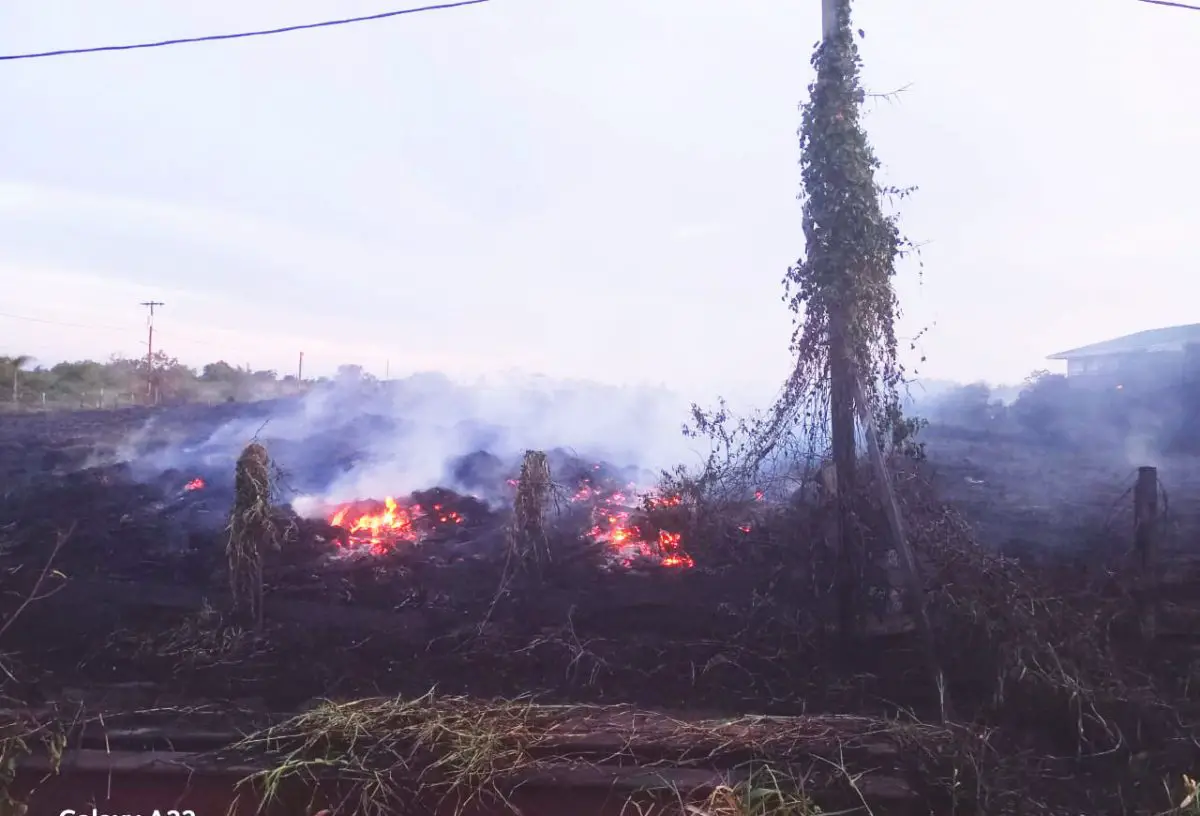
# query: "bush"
[970,406]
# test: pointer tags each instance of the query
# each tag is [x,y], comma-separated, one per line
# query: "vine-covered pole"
[841,406]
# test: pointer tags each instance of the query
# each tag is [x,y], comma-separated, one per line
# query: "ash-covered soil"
[126,558]
[1027,499]
[143,592]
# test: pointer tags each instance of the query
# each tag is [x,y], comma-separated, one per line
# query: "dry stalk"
[527,539]
[252,531]
[19,738]
[203,640]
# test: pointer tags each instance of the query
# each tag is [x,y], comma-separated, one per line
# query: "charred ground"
[1046,652]
[145,588]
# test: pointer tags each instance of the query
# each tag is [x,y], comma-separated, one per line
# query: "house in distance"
[1170,353]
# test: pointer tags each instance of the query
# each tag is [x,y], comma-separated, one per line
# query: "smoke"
[364,439]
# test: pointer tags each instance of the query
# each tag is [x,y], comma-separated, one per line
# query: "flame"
[374,527]
[612,526]
[194,484]
[381,526]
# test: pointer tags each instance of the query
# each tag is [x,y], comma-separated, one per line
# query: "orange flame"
[194,484]
[611,525]
[373,527]
[379,527]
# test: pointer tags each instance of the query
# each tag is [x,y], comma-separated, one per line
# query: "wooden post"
[848,569]
[1145,536]
[914,585]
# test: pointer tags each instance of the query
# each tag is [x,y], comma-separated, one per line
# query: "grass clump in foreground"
[384,752]
[19,739]
[766,792]
[377,756]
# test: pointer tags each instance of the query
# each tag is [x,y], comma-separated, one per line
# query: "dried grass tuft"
[395,755]
[527,538]
[384,753]
[252,531]
[20,738]
[201,640]
[766,792]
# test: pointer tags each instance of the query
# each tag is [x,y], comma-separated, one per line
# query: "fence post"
[1145,538]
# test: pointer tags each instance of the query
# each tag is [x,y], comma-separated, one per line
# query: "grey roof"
[1172,338]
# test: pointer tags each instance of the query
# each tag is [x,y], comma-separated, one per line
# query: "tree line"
[122,381]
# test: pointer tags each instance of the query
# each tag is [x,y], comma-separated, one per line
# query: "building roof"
[1172,338]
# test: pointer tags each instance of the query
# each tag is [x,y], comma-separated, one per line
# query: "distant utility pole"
[300,368]
[150,304]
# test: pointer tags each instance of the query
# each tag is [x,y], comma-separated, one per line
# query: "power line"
[173,338]
[243,34]
[124,329]
[1172,4]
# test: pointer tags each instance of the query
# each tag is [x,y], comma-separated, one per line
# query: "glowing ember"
[381,526]
[377,526]
[672,554]
[194,484]
[612,525]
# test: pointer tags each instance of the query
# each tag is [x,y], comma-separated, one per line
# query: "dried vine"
[844,279]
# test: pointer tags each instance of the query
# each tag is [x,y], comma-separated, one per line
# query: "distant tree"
[220,372]
[80,383]
[970,406]
[1044,406]
[16,364]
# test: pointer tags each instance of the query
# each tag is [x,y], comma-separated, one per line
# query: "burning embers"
[380,526]
[194,484]
[631,527]
[629,533]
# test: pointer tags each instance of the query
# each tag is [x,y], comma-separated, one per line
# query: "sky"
[595,189]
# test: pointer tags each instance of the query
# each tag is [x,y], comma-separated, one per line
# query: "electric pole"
[300,368]
[842,375]
[150,304]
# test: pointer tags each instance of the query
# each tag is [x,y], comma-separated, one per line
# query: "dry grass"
[20,738]
[1045,653]
[201,640]
[386,755]
[252,532]
[765,792]
[384,751]
[527,539]
[21,735]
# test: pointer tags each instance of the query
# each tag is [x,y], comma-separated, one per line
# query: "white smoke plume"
[353,440]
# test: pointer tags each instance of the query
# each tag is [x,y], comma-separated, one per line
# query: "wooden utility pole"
[300,368]
[150,304]
[841,416]
[1145,523]
[914,585]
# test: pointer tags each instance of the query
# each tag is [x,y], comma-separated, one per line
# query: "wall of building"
[1136,366]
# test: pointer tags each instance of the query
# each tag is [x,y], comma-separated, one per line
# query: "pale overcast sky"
[601,189]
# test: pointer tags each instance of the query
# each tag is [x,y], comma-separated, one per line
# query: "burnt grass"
[140,594]
[143,591]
